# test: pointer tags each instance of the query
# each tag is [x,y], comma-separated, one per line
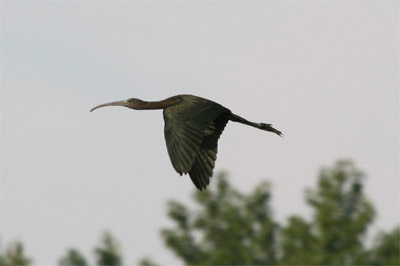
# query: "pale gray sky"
[323,72]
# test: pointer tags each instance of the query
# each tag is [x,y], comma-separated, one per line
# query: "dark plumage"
[192,128]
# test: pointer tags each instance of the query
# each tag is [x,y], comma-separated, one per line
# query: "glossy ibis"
[192,128]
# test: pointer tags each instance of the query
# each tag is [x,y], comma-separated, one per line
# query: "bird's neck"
[159,104]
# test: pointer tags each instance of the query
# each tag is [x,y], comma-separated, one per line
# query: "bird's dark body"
[192,128]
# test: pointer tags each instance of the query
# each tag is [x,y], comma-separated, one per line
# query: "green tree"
[73,258]
[14,256]
[386,248]
[234,228]
[229,228]
[341,216]
[108,253]
[298,243]
[147,262]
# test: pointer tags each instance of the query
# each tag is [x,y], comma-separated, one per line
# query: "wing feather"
[196,177]
[192,135]
[203,165]
[174,153]
[183,142]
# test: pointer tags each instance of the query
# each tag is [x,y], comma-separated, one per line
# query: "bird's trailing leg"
[263,126]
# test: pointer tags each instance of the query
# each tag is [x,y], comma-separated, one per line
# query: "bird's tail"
[263,126]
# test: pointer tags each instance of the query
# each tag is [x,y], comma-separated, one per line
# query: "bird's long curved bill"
[118,103]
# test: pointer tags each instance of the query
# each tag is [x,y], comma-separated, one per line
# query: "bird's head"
[132,103]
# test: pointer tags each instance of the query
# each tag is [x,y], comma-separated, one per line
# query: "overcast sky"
[325,73]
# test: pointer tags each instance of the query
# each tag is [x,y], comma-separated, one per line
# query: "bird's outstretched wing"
[203,165]
[192,140]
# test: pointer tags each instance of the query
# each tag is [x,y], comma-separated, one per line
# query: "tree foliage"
[230,227]
[147,262]
[385,250]
[73,258]
[15,256]
[341,216]
[233,228]
[108,253]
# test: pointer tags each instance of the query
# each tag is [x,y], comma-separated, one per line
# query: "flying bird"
[192,128]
